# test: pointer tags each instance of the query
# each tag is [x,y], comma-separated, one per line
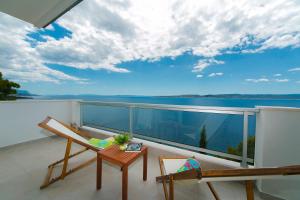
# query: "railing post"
[245,141]
[130,120]
[80,114]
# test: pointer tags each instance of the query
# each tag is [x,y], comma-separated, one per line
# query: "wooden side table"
[123,159]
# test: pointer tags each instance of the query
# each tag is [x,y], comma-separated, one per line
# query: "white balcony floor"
[23,168]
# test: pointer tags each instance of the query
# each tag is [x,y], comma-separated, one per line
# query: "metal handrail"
[208,109]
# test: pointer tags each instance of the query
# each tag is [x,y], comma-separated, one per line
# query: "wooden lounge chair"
[170,165]
[72,135]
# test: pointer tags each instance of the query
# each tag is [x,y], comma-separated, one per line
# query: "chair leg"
[171,189]
[213,191]
[249,190]
[66,159]
[164,182]
[48,177]
[49,180]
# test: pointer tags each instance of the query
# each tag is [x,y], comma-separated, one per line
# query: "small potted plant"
[122,140]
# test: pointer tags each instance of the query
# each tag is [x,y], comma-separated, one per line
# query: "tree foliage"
[203,140]
[239,149]
[7,89]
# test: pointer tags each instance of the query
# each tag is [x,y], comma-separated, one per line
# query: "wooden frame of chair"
[208,176]
[65,172]
[178,176]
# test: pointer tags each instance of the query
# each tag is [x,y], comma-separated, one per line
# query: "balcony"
[26,150]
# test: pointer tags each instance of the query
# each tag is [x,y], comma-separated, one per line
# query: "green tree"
[239,149]
[203,140]
[7,89]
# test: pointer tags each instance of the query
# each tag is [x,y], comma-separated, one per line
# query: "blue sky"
[134,48]
[170,76]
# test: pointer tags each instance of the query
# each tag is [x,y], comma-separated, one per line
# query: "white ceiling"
[37,12]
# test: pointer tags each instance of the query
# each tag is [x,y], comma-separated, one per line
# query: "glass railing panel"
[238,148]
[107,117]
[251,136]
[217,132]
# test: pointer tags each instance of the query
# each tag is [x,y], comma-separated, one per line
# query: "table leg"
[99,171]
[125,183]
[145,165]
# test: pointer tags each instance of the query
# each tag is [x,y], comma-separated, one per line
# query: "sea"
[222,131]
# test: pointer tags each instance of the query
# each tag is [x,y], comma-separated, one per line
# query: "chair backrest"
[65,131]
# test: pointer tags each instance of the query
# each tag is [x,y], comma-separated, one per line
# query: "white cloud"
[257,80]
[199,76]
[263,79]
[215,74]
[204,63]
[282,80]
[277,75]
[294,69]
[18,60]
[106,33]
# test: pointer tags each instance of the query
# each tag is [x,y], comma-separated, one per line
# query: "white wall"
[19,119]
[278,144]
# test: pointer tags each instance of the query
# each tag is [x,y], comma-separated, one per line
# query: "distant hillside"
[94,97]
[24,94]
[241,96]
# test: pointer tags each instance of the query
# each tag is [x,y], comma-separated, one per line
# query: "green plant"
[239,149]
[122,138]
[203,140]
